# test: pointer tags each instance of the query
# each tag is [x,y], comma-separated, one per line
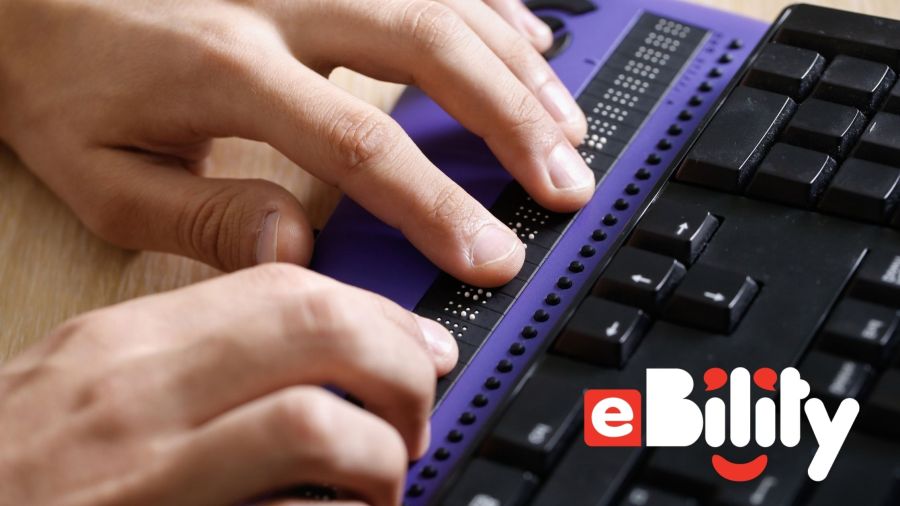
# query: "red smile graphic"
[740,472]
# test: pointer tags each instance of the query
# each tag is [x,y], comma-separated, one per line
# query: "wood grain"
[52,268]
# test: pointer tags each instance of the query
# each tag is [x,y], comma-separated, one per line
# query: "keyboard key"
[787,70]
[861,330]
[863,190]
[866,471]
[881,413]
[640,278]
[826,127]
[855,82]
[712,299]
[737,139]
[881,142]
[675,231]
[878,280]
[602,332]
[486,483]
[569,6]
[893,103]
[793,176]
[832,32]
[833,379]
[588,476]
[642,495]
[536,427]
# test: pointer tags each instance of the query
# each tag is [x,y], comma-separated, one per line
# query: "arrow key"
[676,231]
[602,332]
[639,278]
[712,299]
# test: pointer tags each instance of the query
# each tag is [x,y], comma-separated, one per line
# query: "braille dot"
[415,491]
[653,159]
[705,87]
[516,349]
[610,220]
[529,332]
[576,267]
[541,316]
[695,101]
[736,44]
[455,436]
[467,418]
[726,58]
[504,366]
[587,251]
[429,472]
[675,130]
[664,145]
[642,174]
[598,235]
[552,299]
[716,72]
[632,189]
[685,115]
[442,454]
[564,283]
[620,204]
[492,383]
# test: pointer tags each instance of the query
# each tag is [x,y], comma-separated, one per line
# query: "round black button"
[442,454]
[429,472]
[675,130]
[695,101]
[632,189]
[492,383]
[480,401]
[654,159]
[516,349]
[705,87]
[467,418]
[642,174]
[576,267]
[685,115]
[587,251]
[736,44]
[726,58]
[504,366]
[621,204]
[529,332]
[455,436]
[664,145]
[415,491]
[541,316]
[598,235]
[716,72]
[552,299]
[610,220]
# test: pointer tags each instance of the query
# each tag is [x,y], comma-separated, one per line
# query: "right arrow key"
[712,299]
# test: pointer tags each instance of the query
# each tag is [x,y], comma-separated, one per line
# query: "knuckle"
[527,114]
[361,138]
[450,205]
[433,26]
[280,278]
[307,418]
[109,401]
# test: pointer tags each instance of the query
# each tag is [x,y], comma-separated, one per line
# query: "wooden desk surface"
[51,268]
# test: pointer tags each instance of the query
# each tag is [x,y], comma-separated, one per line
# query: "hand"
[208,395]
[113,105]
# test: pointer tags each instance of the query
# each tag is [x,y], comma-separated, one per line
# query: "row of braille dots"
[471,298]
[527,221]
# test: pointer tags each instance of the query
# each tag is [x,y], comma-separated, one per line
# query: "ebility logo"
[613,417]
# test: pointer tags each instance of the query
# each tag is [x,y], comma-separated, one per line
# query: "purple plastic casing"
[358,249]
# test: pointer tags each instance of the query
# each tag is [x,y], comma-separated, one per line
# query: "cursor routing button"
[712,299]
[602,332]
[640,278]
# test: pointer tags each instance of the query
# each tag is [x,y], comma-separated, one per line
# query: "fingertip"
[536,31]
[295,244]
[496,256]
[441,345]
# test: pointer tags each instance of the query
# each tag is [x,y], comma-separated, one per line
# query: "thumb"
[229,224]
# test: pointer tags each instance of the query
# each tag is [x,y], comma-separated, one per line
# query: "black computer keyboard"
[774,244]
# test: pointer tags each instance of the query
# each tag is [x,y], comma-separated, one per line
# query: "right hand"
[210,395]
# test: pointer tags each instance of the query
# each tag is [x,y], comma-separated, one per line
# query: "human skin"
[114,104]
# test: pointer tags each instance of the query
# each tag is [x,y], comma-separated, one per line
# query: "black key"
[712,299]
[570,6]
[602,332]
[865,472]
[640,278]
[793,176]
[861,330]
[536,427]
[826,127]
[878,280]
[893,103]
[881,142]
[863,190]
[855,82]
[737,139]
[642,495]
[675,231]
[833,32]
[881,413]
[833,379]
[787,70]
[588,476]
[488,483]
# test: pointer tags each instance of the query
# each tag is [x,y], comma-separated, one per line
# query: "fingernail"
[493,244]
[537,29]
[567,169]
[437,338]
[559,103]
[267,239]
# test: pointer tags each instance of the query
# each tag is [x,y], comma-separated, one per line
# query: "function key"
[737,139]
[881,142]
[712,299]
[881,414]
[485,482]
[833,379]
[827,127]
[602,332]
[863,190]
[860,83]
[793,176]
[677,231]
[861,330]
[878,280]
[787,70]
[640,278]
